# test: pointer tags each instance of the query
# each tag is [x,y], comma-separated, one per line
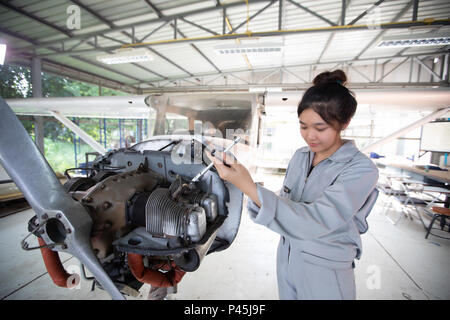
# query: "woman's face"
[319,135]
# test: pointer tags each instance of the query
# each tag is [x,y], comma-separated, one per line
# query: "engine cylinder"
[166,217]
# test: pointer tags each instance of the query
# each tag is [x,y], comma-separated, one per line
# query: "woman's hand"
[236,174]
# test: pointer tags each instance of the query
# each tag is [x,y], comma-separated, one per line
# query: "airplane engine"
[151,223]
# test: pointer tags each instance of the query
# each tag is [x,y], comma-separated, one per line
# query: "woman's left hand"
[236,174]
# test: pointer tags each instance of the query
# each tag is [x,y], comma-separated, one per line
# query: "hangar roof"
[181,35]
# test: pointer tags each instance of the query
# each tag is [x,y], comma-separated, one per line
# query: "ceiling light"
[126,55]
[415,40]
[2,53]
[259,48]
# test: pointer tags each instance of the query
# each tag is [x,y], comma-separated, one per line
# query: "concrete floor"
[397,263]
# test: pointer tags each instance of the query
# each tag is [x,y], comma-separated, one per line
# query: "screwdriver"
[198,176]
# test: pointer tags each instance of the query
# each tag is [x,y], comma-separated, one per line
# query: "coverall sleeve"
[334,208]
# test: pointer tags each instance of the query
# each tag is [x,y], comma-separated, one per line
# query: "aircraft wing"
[123,107]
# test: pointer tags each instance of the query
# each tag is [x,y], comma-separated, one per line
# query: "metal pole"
[146,128]
[75,145]
[73,125]
[445,70]
[100,130]
[405,130]
[415,10]
[104,131]
[120,133]
[139,130]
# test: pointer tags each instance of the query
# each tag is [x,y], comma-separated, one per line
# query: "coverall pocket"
[327,279]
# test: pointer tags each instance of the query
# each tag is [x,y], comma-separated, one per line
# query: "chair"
[440,213]
[402,195]
[396,193]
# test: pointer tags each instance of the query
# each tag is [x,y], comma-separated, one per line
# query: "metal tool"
[198,176]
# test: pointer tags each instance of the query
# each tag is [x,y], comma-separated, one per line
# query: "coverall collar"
[344,154]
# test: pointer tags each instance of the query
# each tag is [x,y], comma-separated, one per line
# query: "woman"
[328,191]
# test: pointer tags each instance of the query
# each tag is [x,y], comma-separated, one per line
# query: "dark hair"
[330,98]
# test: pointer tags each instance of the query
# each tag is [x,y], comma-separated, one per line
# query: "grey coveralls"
[320,219]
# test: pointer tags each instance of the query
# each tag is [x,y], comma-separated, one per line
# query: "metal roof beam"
[198,26]
[112,25]
[35,18]
[153,31]
[427,68]
[286,68]
[58,69]
[312,12]
[386,26]
[65,32]
[415,10]
[397,16]
[14,34]
[92,12]
[253,16]
[365,12]
[393,69]
[150,21]
[357,71]
[154,8]
[345,5]
[201,53]
[170,61]
[280,13]
[177,30]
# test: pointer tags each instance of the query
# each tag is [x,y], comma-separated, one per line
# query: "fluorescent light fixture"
[126,55]
[2,53]
[259,48]
[415,40]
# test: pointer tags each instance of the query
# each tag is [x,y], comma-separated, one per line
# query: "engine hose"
[54,266]
[154,277]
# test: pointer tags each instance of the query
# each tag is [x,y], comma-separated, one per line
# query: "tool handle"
[201,173]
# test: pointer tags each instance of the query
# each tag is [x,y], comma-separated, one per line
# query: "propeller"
[66,223]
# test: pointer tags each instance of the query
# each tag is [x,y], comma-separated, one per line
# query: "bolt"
[102,186]
[44,216]
[64,246]
[87,199]
[69,230]
[58,216]
[106,205]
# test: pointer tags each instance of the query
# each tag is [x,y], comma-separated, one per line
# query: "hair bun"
[337,76]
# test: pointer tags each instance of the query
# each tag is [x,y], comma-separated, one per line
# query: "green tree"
[15,82]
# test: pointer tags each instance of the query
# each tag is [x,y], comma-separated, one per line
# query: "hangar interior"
[242,64]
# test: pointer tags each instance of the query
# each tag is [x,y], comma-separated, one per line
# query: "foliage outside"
[15,82]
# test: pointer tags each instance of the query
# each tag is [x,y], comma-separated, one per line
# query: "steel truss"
[69,43]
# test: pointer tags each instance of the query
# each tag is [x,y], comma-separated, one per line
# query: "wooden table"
[437,175]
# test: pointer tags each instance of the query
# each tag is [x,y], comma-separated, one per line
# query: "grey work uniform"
[320,218]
